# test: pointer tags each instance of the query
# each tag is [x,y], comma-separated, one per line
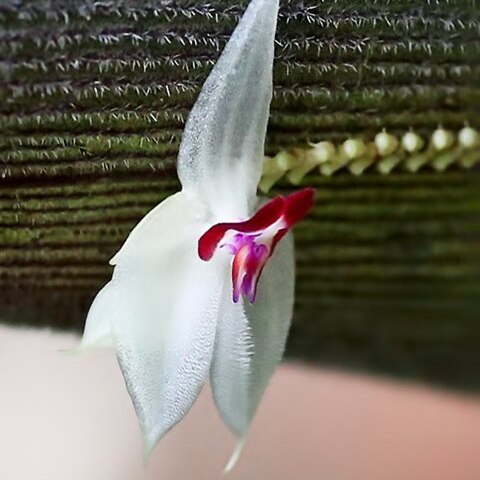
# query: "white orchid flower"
[204,285]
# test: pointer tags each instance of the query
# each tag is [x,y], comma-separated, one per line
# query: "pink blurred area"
[69,418]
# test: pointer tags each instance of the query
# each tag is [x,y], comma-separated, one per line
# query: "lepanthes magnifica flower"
[204,284]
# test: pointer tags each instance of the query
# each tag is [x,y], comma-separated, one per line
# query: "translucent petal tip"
[83,347]
[148,446]
[235,456]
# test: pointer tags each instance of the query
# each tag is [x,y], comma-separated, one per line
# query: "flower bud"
[412,142]
[354,148]
[385,143]
[468,137]
[323,151]
[442,139]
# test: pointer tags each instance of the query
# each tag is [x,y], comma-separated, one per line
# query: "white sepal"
[250,341]
[153,237]
[231,365]
[165,314]
[170,222]
[165,331]
[222,148]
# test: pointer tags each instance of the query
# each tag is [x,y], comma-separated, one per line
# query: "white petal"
[165,315]
[250,341]
[223,142]
[98,327]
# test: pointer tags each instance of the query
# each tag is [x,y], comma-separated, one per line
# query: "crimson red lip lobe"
[298,204]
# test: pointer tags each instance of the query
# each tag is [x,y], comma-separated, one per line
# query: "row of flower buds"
[386,153]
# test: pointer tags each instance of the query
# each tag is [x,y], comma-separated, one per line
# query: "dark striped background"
[93,99]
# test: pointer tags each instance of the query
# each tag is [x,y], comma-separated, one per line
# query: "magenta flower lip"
[252,242]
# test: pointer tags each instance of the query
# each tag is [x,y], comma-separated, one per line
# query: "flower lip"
[253,241]
[267,215]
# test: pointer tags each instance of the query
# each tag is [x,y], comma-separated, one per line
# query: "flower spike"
[203,285]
